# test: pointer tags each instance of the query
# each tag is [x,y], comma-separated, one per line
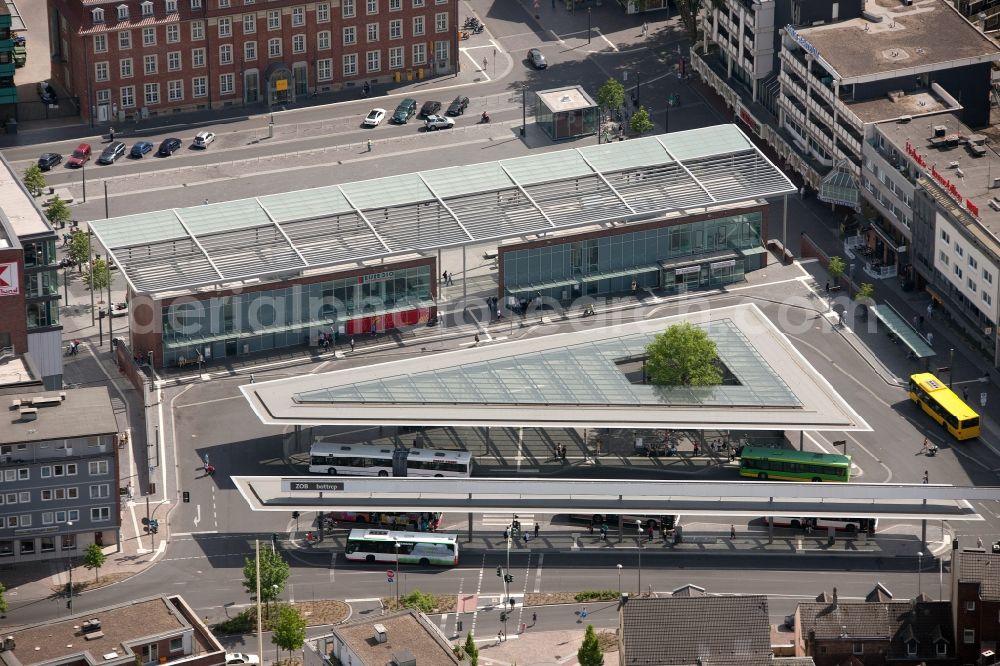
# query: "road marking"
[478,66]
[186,534]
[558,38]
[601,35]
[538,573]
[333,567]
[197,517]
[359,601]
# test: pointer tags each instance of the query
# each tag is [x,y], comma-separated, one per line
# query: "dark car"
[47,93]
[537,59]
[115,150]
[430,109]
[404,111]
[140,148]
[458,106]
[49,160]
[168,147]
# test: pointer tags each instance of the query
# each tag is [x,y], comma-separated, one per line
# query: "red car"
[80,156]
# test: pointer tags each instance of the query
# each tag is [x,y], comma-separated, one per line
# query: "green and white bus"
[409,547]
[789,465]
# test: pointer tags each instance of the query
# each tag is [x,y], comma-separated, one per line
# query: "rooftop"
[84,412]
[292,233]
[122,628]
[532,382]
[17,205]
[406,631]
[910,104]
[566,99]
[701,630]
[926,36]
[983,568]
[18,372]
[974,175]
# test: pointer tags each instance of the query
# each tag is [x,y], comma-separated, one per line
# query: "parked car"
[373,118]
[241,658]
[202,139]
[168,146]
[537,59]
[404,111]
[80,156]
[47,93]
[429,109]
[114,150]
[49,160]
[118,310]
[458,106]
[439,122]
[140,148]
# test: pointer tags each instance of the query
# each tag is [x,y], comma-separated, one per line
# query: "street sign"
[290,484]
[390,573]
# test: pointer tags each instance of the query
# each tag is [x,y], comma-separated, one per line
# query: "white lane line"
[333,567]
[601,35]
[478,65]
[186,534]
[538,573]
[558,38]
[358,601]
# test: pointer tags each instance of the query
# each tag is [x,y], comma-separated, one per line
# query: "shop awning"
[687,262]
[625,272]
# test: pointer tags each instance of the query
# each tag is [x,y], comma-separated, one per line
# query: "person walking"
[506,534]
[930,338]
[352,344]
[444,278]
[451,279]
[111,133]
[369,145]
[827,287]
[649,532]
[926,446]
[732,531]
[604,531]
[476,344]
[965,393]
[534,619]
[536,530]
[927,478]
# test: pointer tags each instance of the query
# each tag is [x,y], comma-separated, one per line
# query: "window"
[971,284]
[176,644]
[225,27]
[958,250]
[48,544]
[958,272]
[125,39]
[147,8]
[100,513]
[988,299]
[171,6]
[97,15]
[249,50]
[418,26]
[969,636]
[857,648]
[418,3]
[122,12]
[371,7]
[100,43]
[197,31]
[150,653]
[27,546]
[199,86]
[195,4]
[173,61]
[441,22]
[101,490]
[149,36]
[987,277]
[48,518]
[323,12]
[46,472]
[395,5]
[273,19]
[970,605]
[249,24]
[97,467]
[350,64]
[350,35]
[441,51]
[226,54]
[25,520]
[68,542]
[23,474]
[942,649]
[73,515]
[973,264]
[11,521]
[175,93]
[324,69]
[419,54]
[945,237]
[198,57]
[347,8]
[396,29]
[274,48]
[374,61]
[128,97]
[396,57]
[101,71]
[298,17]
[323,40]
[149,64]
[10,498]
[223,3]
[24,497]
[372,31]
[227,84]
[298,43]
[6,548]
[173,33]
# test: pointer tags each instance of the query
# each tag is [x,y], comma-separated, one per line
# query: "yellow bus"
[941,403]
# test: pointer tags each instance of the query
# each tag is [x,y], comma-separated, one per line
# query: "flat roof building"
[566,113]
[404,637]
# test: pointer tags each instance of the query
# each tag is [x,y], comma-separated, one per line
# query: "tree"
[79,248]
[683,355]
[640,122]
[288,629]
[3,601]
[273,574]
[58,213]
[689,11]
[34,180]
[590,653]
[836,267]
[865,293]
[98,269]
[471,651]
[94,558]
[611,95]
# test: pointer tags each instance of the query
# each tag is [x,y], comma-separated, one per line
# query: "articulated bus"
[821,525]
[942,405]
[406,547]
[367,460]
[414,522]
[789,465]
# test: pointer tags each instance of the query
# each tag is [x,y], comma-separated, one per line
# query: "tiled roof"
[689,591]
[895,622]
[880,593]
[793,661]
[982,568]
[713,631]
[131,24]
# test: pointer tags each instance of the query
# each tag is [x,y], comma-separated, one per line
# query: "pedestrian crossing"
[504,519]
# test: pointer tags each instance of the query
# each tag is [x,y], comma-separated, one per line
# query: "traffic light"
[295,515]
[508,579]
[187,496]
[499,573]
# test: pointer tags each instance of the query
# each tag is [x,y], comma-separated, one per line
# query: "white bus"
[821,525]
[367,460]
[410,547]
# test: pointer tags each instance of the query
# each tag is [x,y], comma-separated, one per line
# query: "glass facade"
[565,124]
[681,256]
[232,325]
[41,283]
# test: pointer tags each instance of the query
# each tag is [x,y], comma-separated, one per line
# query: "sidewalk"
[540,648]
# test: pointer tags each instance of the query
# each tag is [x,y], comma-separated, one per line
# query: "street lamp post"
[920,562]
[396,545]
[69,568]
[83,177]
[619,580]
[588,25]
[524,108]
[951,367]
[638,95]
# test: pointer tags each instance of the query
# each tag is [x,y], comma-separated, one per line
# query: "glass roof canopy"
[287,233]
[580,374]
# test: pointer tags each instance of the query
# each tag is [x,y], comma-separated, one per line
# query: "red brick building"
[139,58]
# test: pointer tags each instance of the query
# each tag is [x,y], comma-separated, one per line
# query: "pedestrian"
[352,344]
[930,338]
[650,531]
[979,542]
[697,449]
[534,616]
[369,145]
[562,452]
[506,534]
[206,202]
[827,287]
[926,477]
[916,321]
[499,637]
[732,531]
[604,531]
[930,310]
[645,29]
[525,537]
[477,340]
[926,446]
[451,279]
[111,134]
[499,314]
[536,530]
[965,393]
[444,278]
[592,528]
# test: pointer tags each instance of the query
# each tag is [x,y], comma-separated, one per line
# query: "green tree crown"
[288,629]
[836,267]
[94,558]
[683,355]
[590,653]
[34,180]
[273,572]
[865,293]
[3,600]
[611,95]
[101,275]
[471,651]
[58,212]
[640,122]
